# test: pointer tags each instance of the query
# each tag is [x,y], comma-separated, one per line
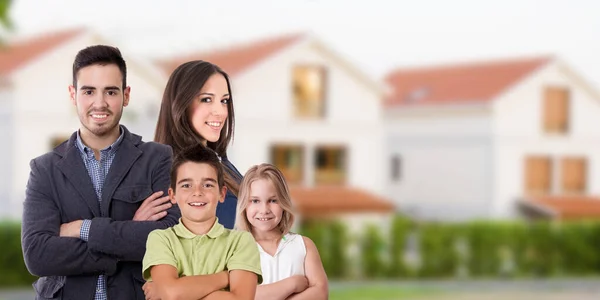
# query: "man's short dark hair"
[99,55]
[197,154]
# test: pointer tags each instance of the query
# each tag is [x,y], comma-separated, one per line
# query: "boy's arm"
[281,289]
[168,285]
[44,251]
[315,273]
[159,267]
[244,270]
[128,238]
[242,286]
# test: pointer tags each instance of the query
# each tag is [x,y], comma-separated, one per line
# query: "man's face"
[99,98]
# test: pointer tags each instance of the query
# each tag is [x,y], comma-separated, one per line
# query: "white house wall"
[7,133]
[519,133]
[446,167]
[264,116]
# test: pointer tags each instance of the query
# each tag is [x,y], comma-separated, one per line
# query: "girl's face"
[208,111]
[263,212]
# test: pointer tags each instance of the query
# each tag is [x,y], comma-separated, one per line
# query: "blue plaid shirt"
[97,169]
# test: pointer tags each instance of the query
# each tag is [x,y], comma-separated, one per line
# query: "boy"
[199,258]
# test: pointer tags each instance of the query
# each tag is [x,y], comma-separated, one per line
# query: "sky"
[376,35]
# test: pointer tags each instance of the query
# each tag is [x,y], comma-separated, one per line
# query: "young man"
[89,204]
[199,258]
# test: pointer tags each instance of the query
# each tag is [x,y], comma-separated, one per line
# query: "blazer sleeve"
[44,251]
[128,238]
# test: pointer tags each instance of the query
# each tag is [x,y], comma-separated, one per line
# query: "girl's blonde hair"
[271,173]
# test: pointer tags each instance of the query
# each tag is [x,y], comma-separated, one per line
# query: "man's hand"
[150,291]
[71,229]
[300,283]
[153,208]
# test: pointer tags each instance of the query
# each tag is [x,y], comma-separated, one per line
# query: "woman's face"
[208,111]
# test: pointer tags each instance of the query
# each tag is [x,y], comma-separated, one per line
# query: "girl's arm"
[281,289]
[318,287]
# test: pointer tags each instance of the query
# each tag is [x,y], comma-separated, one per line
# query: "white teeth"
[100,116]
[264,219]
[214,124]
[197,203]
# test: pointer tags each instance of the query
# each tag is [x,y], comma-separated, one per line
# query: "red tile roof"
[329,200]
[474,82]
[236,59]
[16,55]
[569,207]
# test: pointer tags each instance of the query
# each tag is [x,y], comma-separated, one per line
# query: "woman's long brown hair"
[174,127]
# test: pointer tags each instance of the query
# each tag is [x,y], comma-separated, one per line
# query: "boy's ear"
[223,193]
[172,196]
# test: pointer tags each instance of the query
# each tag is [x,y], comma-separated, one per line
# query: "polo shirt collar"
[215,231]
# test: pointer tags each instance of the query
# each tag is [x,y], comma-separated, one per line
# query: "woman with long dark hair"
[197,108]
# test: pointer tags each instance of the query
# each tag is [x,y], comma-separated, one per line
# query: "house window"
[330,165]
[309,91]
[396,167]
[574,175]
[538,175]
[57,140]
[556,110]
[289,159]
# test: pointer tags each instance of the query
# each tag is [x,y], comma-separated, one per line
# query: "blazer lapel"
[125,157]
[74,169]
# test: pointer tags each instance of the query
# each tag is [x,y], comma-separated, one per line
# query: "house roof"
[461,83]
[17,54]
[566,207]
[328,200]
[234,60]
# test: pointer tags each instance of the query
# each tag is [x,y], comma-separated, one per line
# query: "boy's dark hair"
[197,154]
[99,55]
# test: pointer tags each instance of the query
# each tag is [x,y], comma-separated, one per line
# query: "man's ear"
[126,93]
[223,194]
[73,94]
[172,196]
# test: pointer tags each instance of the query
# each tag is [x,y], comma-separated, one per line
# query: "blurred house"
[302,107]
[36,113]
[497,139]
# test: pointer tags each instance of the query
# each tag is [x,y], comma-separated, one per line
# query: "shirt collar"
[215,231]
[110,149]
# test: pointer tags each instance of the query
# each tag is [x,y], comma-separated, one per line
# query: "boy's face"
[197,192]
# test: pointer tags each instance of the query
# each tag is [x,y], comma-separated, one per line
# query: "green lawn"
[379,293]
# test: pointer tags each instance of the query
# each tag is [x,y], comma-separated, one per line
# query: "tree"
[5,22]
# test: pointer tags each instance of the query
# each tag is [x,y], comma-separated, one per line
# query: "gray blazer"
[60,190]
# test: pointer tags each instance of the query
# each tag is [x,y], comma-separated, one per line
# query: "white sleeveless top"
[287,261]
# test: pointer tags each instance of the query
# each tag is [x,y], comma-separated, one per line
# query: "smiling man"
[91,202]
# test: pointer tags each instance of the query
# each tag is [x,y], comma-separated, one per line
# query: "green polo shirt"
[219,250]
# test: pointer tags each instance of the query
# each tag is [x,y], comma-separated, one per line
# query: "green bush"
[539,249]
[494,247]
[438,254]
[372,253]
[331,240]
[578,248]
[399,232]
[338,264]
[14,272]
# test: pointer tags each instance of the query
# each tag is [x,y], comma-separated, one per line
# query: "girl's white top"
[287,261]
